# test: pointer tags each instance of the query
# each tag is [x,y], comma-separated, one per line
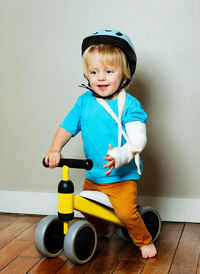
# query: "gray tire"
[49,237]
[80,242]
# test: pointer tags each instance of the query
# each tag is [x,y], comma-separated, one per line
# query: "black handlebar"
[74,163]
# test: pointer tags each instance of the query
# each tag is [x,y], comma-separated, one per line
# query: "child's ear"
[85,76]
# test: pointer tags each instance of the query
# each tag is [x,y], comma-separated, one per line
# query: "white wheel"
[80,242]
[49,237]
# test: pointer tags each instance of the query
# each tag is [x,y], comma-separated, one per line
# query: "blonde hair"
[110,55]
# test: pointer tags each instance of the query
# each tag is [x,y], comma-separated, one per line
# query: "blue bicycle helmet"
[118,39]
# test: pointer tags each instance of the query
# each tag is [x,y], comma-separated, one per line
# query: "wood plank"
[31,251]
[187,255]
[109,257]
[72,269]
[128,267]
[11,251]
[198,267]
[16,228]
[20,265]
[132,261]
[28,234]
[48,266]
[166,247]
[7,219]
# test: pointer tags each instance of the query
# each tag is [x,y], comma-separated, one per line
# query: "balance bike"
[53,234]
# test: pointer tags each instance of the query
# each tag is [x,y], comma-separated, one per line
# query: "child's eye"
[93,72]
[109,71]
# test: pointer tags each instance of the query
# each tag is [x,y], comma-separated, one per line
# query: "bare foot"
[148,251]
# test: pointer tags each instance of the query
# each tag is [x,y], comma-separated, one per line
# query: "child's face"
[104,79]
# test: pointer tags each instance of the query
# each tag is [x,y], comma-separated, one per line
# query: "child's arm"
[117,157]
[61,137]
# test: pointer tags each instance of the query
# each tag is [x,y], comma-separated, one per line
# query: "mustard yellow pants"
[123,198]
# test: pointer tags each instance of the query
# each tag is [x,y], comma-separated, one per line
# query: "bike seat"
[96,196]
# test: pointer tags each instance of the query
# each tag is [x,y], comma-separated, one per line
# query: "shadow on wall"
[151,180]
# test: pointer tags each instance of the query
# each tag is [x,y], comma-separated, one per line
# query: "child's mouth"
[102,87]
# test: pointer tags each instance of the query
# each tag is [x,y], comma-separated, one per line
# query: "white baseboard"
[21,202]
[42,203]
[174,209]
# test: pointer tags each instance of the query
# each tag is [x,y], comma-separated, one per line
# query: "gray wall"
[41,69]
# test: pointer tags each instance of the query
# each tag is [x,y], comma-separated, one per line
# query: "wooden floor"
[178,251]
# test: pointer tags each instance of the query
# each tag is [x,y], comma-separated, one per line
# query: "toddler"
[112,124]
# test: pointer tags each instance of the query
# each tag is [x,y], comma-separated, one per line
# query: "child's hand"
[52,158]
[111,162]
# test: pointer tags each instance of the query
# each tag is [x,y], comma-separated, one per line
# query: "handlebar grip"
[73,163]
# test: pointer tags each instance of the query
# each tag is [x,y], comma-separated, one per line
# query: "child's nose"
[102,76]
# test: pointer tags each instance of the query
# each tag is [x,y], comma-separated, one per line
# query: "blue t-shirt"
[98,130]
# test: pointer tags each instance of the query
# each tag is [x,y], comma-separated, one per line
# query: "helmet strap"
[122,85]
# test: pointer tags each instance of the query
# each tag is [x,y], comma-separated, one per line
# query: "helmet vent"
[108,30]
[119,34]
